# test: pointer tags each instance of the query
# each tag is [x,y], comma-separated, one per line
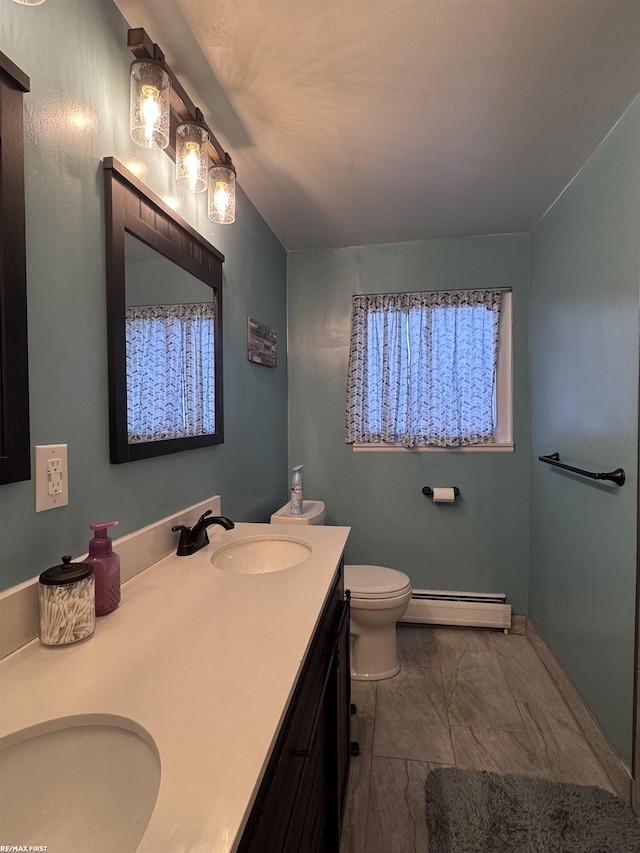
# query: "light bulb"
[222,193]
[150,111]
[192,157]
[192,166]
[221,199]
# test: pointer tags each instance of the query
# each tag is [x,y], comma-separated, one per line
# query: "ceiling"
[358,122]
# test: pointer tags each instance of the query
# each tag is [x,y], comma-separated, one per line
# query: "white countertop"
[205,661]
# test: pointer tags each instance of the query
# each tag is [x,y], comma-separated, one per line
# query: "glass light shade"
[192,157]
[149,104]
[222,194]
[30,2]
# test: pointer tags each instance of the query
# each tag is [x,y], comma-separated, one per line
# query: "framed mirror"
[164,306]
[15,450]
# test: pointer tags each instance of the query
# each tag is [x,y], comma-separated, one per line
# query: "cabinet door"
[312,809]
[301,775]
[269,826]
[319,835]
[343,708]
[325,780]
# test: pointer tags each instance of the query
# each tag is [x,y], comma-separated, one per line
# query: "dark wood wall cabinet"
[300,804]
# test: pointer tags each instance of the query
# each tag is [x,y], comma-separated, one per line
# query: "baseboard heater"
[470,609]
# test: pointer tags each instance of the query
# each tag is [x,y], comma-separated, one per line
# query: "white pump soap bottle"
[296,491]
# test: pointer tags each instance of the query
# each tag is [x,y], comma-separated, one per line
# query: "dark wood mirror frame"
[15,450]
[131,207]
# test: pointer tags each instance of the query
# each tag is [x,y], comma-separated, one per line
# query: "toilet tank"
[313,512]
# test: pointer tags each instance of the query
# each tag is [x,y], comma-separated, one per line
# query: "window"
[175,342]
[430,370]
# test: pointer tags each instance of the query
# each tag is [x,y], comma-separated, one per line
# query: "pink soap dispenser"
[106,567]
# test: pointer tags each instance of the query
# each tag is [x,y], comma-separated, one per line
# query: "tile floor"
[466,698]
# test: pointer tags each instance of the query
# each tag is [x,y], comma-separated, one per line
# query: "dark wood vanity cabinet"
[300,804]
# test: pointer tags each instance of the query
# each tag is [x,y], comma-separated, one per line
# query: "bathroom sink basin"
[85,783]
[258,555]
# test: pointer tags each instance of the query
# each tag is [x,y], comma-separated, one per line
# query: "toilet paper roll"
[444,496]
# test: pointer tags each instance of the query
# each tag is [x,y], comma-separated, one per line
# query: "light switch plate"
[52,486]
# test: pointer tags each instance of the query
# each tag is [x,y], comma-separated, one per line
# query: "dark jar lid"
[68,572]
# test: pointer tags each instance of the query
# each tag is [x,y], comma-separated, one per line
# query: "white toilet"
[379,597]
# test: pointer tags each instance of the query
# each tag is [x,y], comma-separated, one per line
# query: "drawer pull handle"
[301,753]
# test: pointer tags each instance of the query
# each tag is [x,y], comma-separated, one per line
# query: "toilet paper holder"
[428,491]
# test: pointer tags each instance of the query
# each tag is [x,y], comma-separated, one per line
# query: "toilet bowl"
[379,597]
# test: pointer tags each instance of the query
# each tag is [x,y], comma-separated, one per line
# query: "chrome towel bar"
[617,476]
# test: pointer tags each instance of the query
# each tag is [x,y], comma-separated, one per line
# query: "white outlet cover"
[44,453]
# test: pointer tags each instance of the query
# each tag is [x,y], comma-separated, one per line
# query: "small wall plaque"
[261,343]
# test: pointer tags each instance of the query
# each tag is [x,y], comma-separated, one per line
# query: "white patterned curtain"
[170,371]
[422,368]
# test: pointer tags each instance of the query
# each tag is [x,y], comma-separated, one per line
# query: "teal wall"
[480,543]
[577,576]
[75,53]
[585,282]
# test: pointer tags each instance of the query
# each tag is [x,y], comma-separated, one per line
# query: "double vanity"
[209,712]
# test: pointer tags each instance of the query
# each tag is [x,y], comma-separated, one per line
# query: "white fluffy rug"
[479,812]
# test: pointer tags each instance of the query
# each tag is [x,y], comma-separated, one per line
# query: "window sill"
[502,447]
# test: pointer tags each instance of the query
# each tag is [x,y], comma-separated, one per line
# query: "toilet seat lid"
[375,581]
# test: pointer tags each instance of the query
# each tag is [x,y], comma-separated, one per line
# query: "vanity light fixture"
[192,156]
[149,103]
[201,162]
[222,193]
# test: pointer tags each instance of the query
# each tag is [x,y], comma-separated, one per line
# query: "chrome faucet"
[194,538]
